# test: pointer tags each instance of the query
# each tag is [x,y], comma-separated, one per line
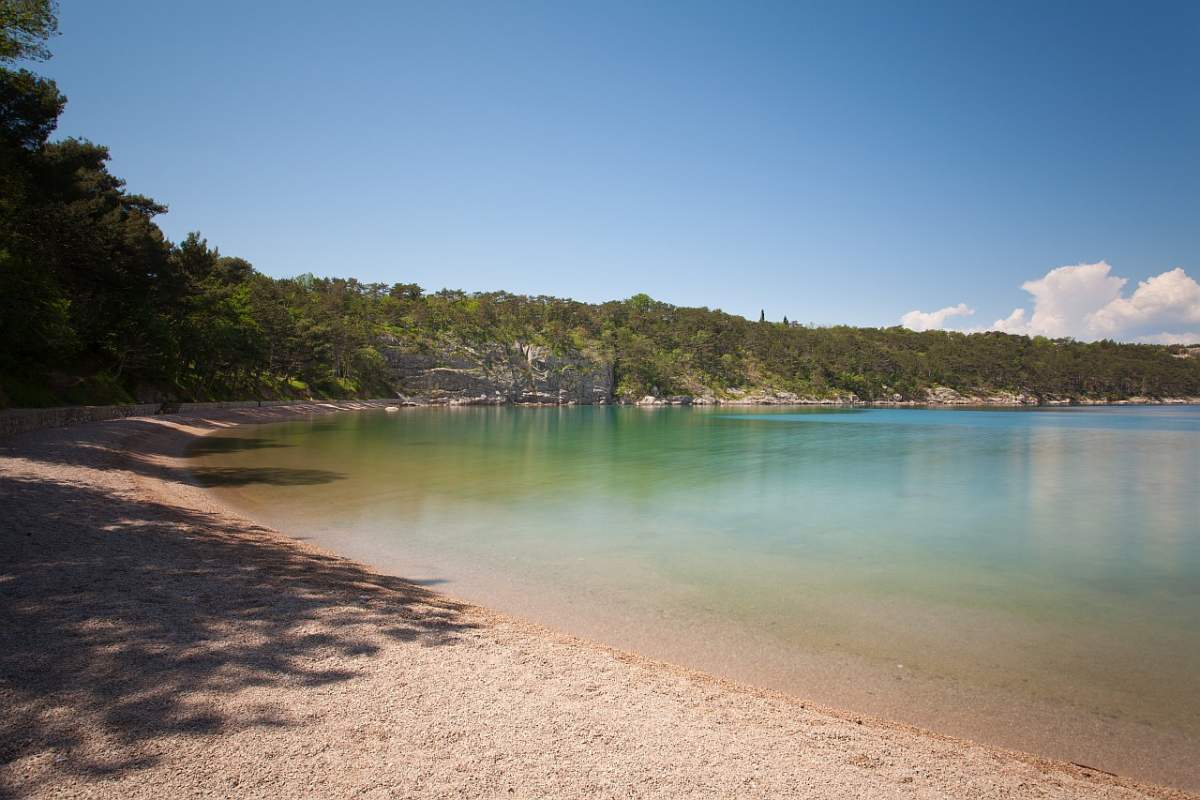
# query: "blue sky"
[832,162]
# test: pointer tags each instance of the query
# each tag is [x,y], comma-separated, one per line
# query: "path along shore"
[155,644]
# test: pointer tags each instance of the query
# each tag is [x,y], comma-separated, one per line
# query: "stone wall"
[20,420]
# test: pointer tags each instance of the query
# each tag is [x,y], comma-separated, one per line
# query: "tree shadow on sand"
[159,456]
[116,614]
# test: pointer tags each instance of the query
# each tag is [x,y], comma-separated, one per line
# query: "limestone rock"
[493,373]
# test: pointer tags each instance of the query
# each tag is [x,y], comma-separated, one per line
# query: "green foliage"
[101,389]
[29,109]
[34,316]
[25,26]
[19,391]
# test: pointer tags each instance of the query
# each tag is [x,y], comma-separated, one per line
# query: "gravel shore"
[154,644]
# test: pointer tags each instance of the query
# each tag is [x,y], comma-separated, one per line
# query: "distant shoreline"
[14,421]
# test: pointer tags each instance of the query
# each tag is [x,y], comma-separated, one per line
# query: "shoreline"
[16,421]
[382,683]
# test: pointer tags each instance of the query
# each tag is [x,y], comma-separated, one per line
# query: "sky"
[1032,167]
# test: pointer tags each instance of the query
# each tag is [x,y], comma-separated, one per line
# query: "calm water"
[1029,578]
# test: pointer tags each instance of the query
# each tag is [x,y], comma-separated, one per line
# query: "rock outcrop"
[763,397]
[497,374]
[945,396]
[743,397]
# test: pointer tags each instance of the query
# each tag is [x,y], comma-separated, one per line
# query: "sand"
[155,644]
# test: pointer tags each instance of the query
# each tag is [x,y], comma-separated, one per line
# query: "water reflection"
[1050,554]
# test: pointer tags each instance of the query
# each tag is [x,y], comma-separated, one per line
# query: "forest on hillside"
[98,306]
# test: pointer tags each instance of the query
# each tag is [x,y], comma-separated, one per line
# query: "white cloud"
[1164,301]
[1013,323]
[1085,302]
[1192,337]
[934,320]
[1063,299]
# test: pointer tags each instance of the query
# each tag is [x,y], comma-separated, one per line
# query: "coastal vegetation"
[98,306]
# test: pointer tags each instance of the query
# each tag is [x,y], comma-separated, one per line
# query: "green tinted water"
[1029,578]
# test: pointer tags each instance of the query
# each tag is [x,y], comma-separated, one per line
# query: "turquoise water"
[1025,577]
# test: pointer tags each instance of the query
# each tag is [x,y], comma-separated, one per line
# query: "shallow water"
[1029,578]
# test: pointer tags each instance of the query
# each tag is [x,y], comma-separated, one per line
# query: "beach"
[154,643]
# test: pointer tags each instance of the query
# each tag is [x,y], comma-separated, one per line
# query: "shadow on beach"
[153,453]
[122,619]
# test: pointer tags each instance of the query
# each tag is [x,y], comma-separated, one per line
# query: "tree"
[25,27]
[29,109]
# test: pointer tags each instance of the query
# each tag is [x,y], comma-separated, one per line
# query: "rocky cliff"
[495,373]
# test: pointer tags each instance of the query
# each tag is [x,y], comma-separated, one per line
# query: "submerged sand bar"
[154,644]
